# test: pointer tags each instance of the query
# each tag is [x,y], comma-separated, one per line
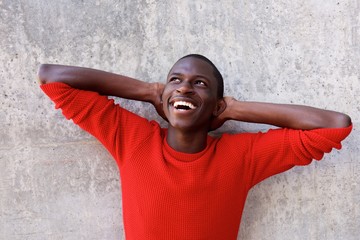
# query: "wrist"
[153,94]
[229,113]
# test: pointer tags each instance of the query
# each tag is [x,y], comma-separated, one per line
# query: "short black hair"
[217,74]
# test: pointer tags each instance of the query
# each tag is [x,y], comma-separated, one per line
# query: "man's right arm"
[76,91]
[105,83]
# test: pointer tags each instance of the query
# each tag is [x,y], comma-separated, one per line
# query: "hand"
[157,102]
[224,116]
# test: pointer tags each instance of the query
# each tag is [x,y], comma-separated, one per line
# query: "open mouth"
[183,105]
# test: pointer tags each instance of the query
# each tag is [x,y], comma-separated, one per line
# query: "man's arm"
[105,83]
[283,115]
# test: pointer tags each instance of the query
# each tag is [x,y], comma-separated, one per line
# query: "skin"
[192,80]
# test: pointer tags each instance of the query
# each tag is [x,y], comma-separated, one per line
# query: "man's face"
[190,94]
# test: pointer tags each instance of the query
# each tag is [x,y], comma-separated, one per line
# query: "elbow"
[342,121]
[44,73]
[346,120]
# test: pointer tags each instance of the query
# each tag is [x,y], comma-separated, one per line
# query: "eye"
[175,80]
[200,83]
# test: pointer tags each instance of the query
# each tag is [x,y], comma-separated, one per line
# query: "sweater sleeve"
[110,124]
[280,149]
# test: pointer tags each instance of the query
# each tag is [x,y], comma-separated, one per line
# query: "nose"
[185,88]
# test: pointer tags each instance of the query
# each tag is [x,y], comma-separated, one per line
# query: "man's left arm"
[316,132]
[281,115]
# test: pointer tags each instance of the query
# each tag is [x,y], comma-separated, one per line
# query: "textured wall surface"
[57,182]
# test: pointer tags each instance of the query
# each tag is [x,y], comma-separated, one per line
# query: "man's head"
[217,74]
[193,94]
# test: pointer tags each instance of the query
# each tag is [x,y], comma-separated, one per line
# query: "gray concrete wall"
[57,182]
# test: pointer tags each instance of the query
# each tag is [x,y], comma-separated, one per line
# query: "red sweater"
[169,195]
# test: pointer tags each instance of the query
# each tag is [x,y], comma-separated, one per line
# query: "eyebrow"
[197,76]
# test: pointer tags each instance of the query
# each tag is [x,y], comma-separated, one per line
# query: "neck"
[187,141]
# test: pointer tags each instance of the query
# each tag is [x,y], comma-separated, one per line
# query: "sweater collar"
[185,157]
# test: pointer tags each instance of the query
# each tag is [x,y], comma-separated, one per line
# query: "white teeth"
[182,103]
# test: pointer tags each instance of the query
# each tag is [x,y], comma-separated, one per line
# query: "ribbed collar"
[185,157]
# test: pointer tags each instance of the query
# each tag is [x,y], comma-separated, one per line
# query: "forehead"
[193,66]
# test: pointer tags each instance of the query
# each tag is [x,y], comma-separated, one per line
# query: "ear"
[220,107]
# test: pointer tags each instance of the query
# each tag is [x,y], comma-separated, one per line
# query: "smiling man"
[190,101]
[179,182]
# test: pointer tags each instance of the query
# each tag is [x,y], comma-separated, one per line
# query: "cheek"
[163,96]
[211,106]
[165,108]
[166,92]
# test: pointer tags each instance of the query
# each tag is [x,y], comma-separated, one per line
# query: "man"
[180,183]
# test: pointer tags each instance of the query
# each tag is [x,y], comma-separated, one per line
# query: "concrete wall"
[57,182]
